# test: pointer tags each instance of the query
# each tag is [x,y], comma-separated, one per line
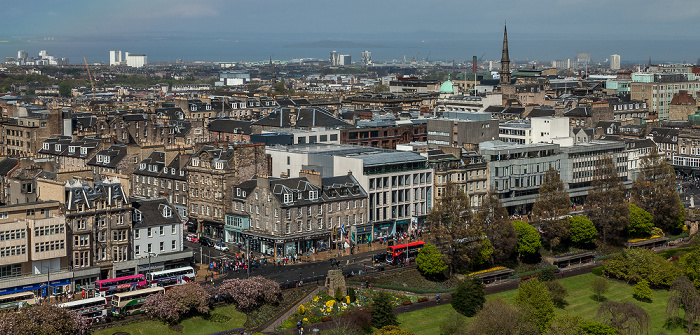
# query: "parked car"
[206,242]
[192,237]
[221,247]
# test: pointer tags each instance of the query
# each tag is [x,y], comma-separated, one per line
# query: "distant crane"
[90,76]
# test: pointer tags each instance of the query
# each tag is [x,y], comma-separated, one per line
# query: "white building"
[345,60]
[157,228]
[134,60]
[399,184]
[115,57]
[546,129]
[614,62]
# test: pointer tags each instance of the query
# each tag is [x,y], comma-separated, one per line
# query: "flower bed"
[487,270]
[410,280]
[323,306]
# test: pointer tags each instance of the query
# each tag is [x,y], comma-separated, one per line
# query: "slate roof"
[305,118]
[78,192]
[541,111]
[664,135]
[7,164]
[152,212]
[116,153]
[230,126]
[579,112]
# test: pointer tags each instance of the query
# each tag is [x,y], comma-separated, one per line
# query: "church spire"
[505,59]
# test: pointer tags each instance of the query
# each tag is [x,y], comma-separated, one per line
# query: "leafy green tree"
[484,254]
[595,328]
[451,229]
[64,89]
[581,230]
[429,261]
[642,292]
[565,324]
[550,207]
[605,203]
[690,263]
[654,191]
[599,285]
[500,317]
[469,297]
[493,219]
[382,311]
[558,293]
[633,265]
[641,222]
[533,296]
[528,238]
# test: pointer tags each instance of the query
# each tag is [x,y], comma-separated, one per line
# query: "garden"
[324,307]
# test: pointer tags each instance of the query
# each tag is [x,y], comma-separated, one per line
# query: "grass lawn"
[580,299]
[192,326]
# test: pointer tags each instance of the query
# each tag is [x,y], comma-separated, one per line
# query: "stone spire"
[505,59]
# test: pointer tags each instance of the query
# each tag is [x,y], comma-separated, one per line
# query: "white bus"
[94,309]
[129,303]
[171,277]
[17,300]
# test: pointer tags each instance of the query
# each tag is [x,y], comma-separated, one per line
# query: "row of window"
[49,230]
[15,250]
[154,181]
[50,246]
[151,230]
[149,247]
[405,180]
[14,234]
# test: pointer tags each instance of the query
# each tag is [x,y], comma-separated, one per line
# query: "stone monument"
[335,280]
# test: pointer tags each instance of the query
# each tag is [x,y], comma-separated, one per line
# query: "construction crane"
[90,76]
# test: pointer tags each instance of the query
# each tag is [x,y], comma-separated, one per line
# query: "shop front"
[56,287]
[384,229]
[213,230]
[363,234]
[234,227]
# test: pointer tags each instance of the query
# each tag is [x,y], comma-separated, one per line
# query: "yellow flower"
[330,303]
[347,298]
[306,319]
[316,298]
[328,310]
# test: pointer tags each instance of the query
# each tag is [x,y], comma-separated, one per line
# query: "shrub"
[469,297]
[557,292]
[633,265]
[642,292]
[338,294]
[598,270]
[546,275]
[351,294]
[302,309]
[382,311]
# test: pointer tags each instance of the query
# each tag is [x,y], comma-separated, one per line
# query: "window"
[137,234]
[137,250]
[150,232]
[173,245]
[162,246]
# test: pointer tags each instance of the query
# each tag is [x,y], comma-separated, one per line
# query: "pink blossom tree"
[43,319]
[178,301]
[248,294]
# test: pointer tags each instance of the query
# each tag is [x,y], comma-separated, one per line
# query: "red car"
[192,237]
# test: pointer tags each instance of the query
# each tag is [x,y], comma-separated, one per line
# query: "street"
[290,274]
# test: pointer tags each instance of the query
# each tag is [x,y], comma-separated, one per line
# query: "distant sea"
[432,46]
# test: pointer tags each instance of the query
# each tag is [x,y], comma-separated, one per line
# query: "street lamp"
[149,262]
[48,280]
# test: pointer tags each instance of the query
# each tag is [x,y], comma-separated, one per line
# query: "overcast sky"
[634,19]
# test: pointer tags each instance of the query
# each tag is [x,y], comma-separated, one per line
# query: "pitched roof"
[230,126]
[307,117]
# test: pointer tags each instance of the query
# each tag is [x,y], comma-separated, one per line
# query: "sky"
[554,20]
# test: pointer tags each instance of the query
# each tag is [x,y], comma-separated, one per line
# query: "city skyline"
[453,30]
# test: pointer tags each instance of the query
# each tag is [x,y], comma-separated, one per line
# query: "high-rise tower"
[505,59]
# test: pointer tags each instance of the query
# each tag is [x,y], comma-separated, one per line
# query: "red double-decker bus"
[396,254]
[107,287]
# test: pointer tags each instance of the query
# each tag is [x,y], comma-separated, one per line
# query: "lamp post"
[149,264]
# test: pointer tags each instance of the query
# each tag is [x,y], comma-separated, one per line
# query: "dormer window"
[167,212]
[288,198]
[137,215]
[106,159]
[99,158]
[299,196]
[219,165]
[172,171]
[71,149]
[195,161]
[83,151]
[313,195]
[142,166]
[57,147]
[46,146]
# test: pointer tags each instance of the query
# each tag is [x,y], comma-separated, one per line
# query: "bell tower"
[505,59]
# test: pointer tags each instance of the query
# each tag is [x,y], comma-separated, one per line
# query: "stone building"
[682,105]
[297,215]
[211,173]
[99,218]
[162,174]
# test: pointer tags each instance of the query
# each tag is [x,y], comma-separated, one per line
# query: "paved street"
[311,268]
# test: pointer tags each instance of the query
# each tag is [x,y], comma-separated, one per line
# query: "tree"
[642,292]
[429,261]
[528,238]
[599,285]
[533,296]
[469,297]
[178,301]
[450,225]
[453,324]
[654,191]
[65,89]
[624,316]
[566,324]
[605,203]
[640,223]
[550,207]
[558,293]
[382,312]
[595,328]
[43,319]
[581,230]
[683,296]
[494,222]
[250,293]
[633,265]
[690,263]
[500,317]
